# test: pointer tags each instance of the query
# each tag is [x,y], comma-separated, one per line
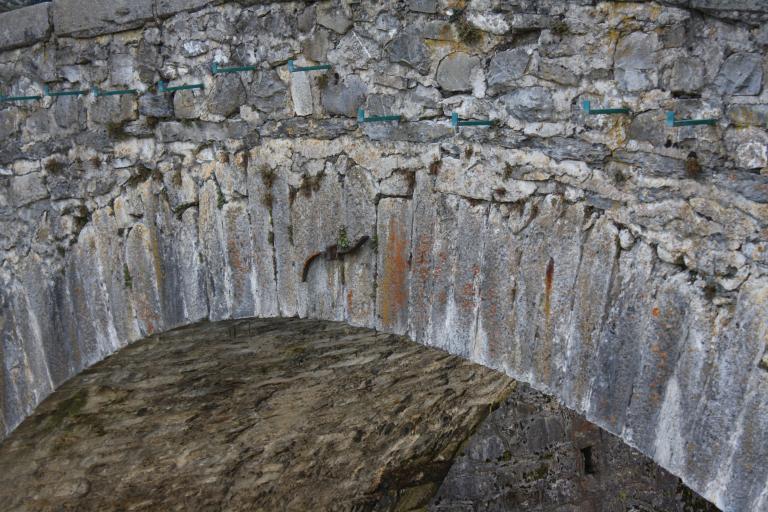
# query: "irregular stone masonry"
[591,256]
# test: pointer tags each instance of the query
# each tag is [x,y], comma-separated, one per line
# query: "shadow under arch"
[291,414]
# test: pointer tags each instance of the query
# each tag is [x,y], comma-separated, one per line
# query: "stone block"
[410,50]
[168,7]
[505,68]
[333,17]
[741,74]
[455,71]
[86,18]
[635,61]
[25,26]
[344,98]
[687,75]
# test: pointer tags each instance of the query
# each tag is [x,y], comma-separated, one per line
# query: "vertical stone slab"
[599,261]
[501,256]
[464,299]
[288,268]
[721,431]
[212,249]
[394,242]
[141,258]
[239,262]
[261,205]
[301,94]
[617,357]
[663,336]
[422,258]
[191,270]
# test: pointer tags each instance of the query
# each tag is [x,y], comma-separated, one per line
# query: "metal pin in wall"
[19,98]
[688,122]
[586,105]
[215,69]
[293,68]
[456,122]
[375,119]
[98,92]
[163,87]
[48,92]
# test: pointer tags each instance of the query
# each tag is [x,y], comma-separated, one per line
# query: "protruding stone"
[454,72]
[155,105]
[301,93]
[85,18]
[635,61]
[333,17]
[409,49]
[506,67]
[741,74]
[25,26]
[425,6]
[227,95]
[687,75]
[344,98]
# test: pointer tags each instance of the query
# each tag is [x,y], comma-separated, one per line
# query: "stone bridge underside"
[299,415]
[579,254]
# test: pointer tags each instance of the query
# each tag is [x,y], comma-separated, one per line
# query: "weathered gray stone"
[25,26]
[741,74]
[748,115]
[529,103]
[316,47]
[635,61]
[169,7]
[156,105]
[506,68]
[425,6]
[554,72]
[333,17]
[28,188]
[267,92]
[344,97]
[226,96]
[113,110]
[409,49]
[455,70]
[687,75]
[85,18]
[186,104]
[301,94]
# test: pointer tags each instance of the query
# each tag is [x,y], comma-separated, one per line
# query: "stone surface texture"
[293,414]
[533,454]
[573,252]
[251,415]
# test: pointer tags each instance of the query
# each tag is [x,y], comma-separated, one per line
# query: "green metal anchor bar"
[374,119]
[19,98]
[598,111]
[293,68]
[48,92]
[456,122]
[688,122]
[163,87]
[98,92]
[215,69]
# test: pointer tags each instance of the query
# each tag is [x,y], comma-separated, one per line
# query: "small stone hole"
[589,463]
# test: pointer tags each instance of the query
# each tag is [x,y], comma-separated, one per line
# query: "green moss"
[468,33]
[220,198]
[127,279]
[342,243]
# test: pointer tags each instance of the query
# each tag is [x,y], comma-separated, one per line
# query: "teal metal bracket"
[48,92]
[215,69]
[163,87]
[456,122]
[586,105]
[293,68]
[19,98]
[374,119]
[688,122]
[98,92]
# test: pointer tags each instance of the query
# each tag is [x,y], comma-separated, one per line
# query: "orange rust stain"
[349,300]
[548,287]
[656,312]
[393,283]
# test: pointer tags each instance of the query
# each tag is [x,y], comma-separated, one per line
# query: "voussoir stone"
[25,26]
[455,70]
[85,18]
